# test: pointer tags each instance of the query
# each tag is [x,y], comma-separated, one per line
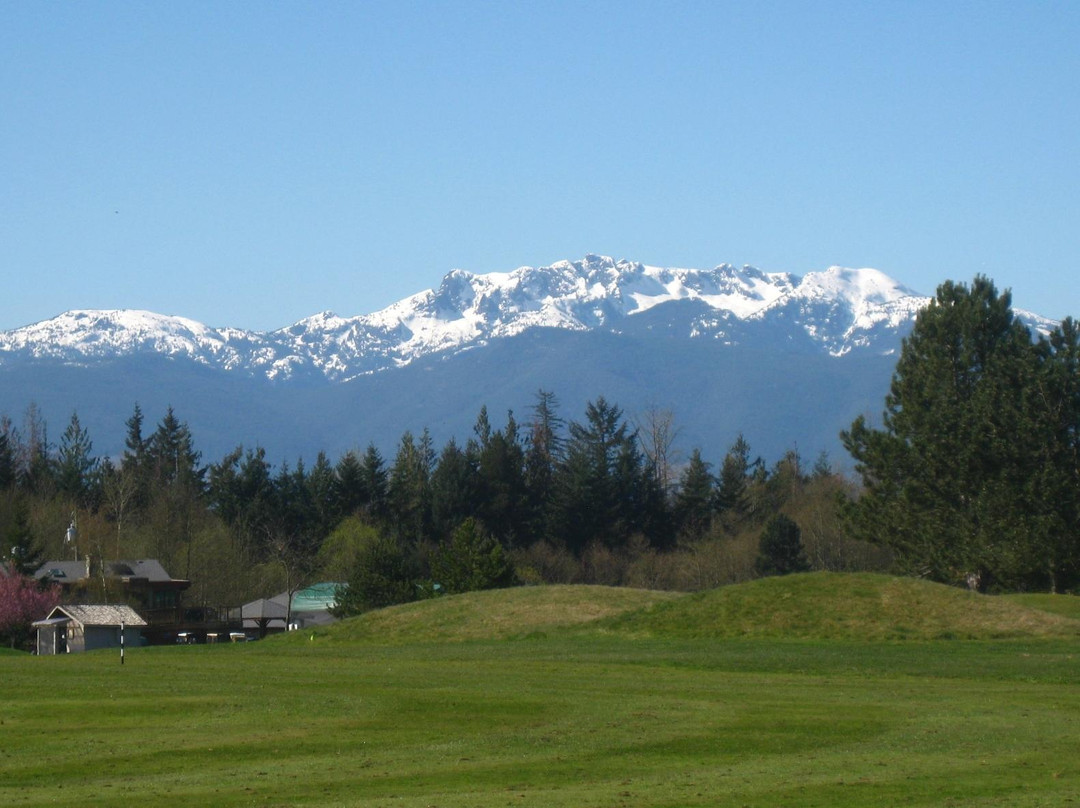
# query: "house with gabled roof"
[72,628]
[143,583]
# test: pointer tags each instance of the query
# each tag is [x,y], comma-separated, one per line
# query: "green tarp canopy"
[317,597]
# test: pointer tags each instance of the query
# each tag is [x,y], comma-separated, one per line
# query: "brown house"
[142,584]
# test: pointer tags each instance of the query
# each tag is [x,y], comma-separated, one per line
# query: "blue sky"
[250,164]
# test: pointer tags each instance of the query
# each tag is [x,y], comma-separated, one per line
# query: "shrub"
[780,549]
[470,561]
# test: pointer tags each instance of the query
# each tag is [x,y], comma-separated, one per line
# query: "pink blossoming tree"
[22,601]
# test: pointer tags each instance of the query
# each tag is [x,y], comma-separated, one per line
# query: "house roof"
[89,615]
[62,570]
[149,569]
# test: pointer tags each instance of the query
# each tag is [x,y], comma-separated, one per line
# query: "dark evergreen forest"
[599,499]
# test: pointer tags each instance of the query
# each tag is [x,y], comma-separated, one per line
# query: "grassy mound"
[1067,605]
[813,606]
[495,614]
[844,606]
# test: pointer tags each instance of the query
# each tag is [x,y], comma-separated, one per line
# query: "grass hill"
[496,614]
[625,701]
[812,606]
[845,606]
[1066,605]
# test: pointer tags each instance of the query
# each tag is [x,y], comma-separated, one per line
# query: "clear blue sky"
[250,164]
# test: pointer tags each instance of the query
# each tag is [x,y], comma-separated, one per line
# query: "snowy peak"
[94,333]
[856,284]
[597,290]
[845,309]
[835,311]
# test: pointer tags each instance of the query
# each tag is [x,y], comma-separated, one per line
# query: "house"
[142,583]
[73,628]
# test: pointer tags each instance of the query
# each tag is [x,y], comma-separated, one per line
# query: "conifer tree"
[694,500]
[945,478]
[471,560]
[322,490]
[241,492]
[733,486]
[376,482]
[74,463]
[350,485]
[780,549]
[542,458]
[604,490]
[502,502]
[172,456]
[384,575]
[455,489]
[1054,486]
[35,467]
[8,466]
[409,489]
[134,444]
[17,537]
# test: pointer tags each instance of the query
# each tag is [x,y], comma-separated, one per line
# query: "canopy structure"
[310,606]
[263,609]
[316,598]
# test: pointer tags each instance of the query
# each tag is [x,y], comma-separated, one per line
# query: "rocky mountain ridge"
[836,311]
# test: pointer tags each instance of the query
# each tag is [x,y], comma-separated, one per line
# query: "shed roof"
[93,615]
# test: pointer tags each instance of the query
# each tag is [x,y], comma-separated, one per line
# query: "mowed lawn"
[547,718]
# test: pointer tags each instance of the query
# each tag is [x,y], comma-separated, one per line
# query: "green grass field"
[576,696]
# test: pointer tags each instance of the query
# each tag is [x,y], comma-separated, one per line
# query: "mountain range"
[786,360]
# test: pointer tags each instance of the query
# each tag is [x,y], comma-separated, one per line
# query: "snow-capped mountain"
[782,359]
[835,312]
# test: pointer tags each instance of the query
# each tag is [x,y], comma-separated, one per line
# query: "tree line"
[602,499]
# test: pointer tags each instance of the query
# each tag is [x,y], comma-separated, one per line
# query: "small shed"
[72,628]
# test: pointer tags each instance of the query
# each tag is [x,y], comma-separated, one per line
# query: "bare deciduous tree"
[657,433]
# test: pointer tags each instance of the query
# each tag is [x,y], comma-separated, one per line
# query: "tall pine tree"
[947,478]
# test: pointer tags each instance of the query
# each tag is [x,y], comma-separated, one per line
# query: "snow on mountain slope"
[846,309]
[835,311]
[98,334]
